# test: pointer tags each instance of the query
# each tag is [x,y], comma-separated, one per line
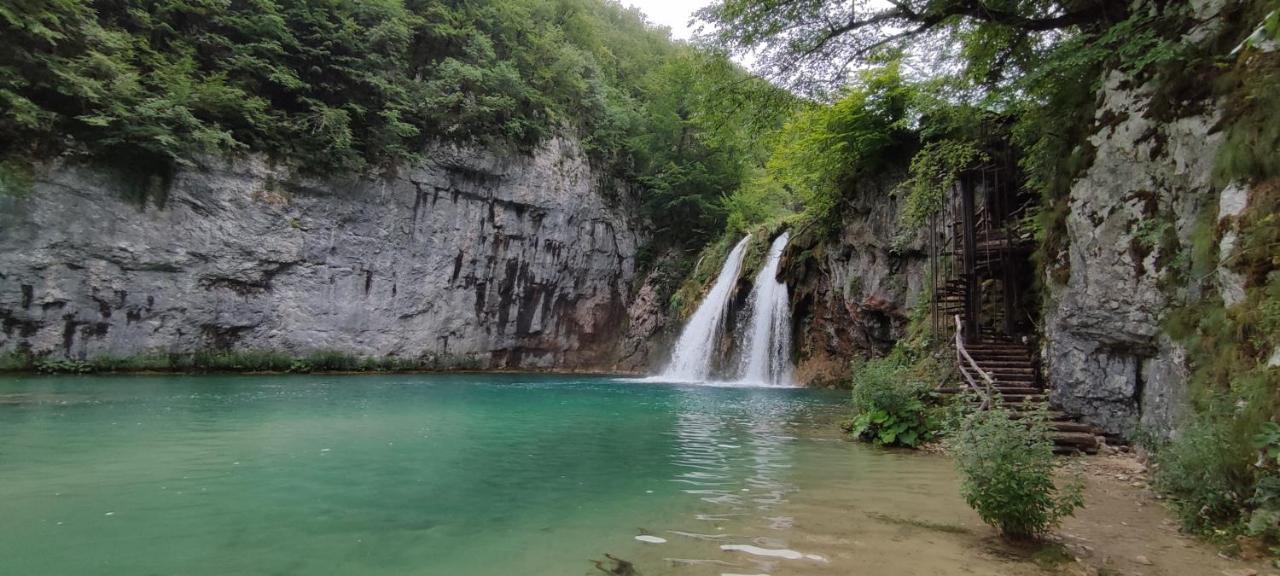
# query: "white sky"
[674,14]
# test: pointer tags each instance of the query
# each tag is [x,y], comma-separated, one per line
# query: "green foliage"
[823,150]
[1267,443]
[1222,470]
[152,362]
[1208,471]
[1008,468]
[934,171]
[15,178]
[62,366]
[336,86]
[16,362]
[1253,134]
[761,201]
[890,403]
[241,361]
[710,260]
[238,361]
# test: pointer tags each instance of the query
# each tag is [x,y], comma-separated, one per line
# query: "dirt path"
[1126,530]
[924,528]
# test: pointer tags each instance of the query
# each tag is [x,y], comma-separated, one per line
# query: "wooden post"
[970,251]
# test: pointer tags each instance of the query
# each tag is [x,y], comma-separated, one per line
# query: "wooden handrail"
[967,363]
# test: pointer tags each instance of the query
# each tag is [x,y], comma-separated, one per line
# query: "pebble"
[1240,572]
[651,539]
[1143,560]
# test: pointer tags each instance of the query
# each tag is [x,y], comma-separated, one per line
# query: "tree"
[813,46]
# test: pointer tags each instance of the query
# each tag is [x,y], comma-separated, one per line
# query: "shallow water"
[447,474]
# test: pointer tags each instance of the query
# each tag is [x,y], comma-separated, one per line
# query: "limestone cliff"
[853,291]
[510,260]
[1110,358]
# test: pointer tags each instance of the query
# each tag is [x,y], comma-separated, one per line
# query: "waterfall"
[766,355]
[691,359]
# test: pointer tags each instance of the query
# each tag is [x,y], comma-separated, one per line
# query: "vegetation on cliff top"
[340,86]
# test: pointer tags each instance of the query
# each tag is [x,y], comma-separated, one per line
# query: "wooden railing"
[969,368]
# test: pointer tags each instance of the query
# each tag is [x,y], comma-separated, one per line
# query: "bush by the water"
[1008,468]
[238,361]
[890,403]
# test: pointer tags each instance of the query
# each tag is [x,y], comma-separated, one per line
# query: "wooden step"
[1062,450]
[988,347]
[1002,358]
[993,364]
[1027,407]
[1020,361]
[1052,415]
[1008,377]
[997,351]
[1082,441]
[1069,426]
[1023,390]
[987,367]
[1024,398]
[1017,383]
[998,388]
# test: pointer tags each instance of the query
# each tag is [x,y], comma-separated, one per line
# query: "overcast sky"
[674,14]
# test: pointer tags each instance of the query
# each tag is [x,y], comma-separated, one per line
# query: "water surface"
[437,474]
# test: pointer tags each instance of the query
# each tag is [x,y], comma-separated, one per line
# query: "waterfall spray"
[766,355]
[691,359]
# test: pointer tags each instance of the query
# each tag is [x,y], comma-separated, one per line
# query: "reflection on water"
[458,474]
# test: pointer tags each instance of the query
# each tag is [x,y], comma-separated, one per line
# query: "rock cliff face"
[506,260]
[852,293]
[1133,211]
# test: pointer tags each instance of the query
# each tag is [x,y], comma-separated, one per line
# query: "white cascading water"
[691,360]
[766,354]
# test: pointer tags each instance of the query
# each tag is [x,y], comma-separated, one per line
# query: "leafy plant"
[16,361]
[1267,443]
[934,171]
[1008,468]
[62,366]
[1208,471]
[890,405]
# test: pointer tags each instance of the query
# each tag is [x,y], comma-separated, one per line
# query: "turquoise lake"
[438,474]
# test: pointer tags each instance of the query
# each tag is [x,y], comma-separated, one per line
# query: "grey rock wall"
[509,260]
[1108,358]
[852,294]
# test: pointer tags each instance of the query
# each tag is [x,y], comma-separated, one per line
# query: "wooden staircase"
[1016,382]
[980,264]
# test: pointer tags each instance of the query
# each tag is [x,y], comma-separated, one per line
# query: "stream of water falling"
[691,359]
[766,354]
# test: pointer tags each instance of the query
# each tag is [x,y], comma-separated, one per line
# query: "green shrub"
[240,361]
[1208,470]
[15,362]
[332,361]
[1008,468]
[890,404]
[154,362]
[246,361]
[62,366]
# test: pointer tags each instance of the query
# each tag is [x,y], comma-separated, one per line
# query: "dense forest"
[364,87]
